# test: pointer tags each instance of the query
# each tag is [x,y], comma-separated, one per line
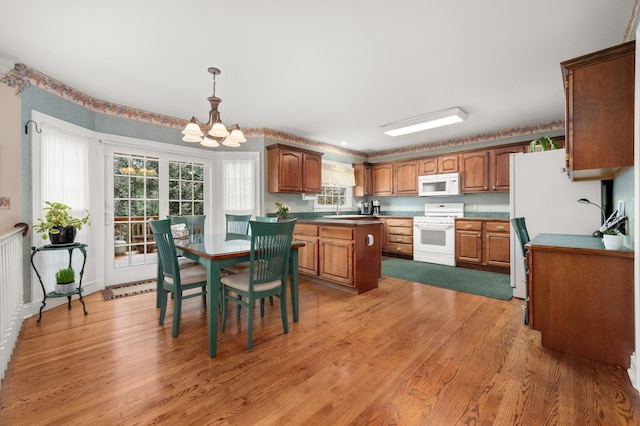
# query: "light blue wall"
[623,189]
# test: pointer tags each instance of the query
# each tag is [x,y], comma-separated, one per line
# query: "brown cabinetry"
[483,243]
[382,179]
[599,90]
[307,255]
[487,170]
[581,297]
[364,180]
[405,178]
[439,165]
[294,170]
[399,233]
[348,255]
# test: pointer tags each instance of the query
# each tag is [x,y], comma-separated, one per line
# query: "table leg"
[293,279]
[213,291]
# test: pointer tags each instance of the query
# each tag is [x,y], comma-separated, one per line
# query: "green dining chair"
[242,266]
[520,227]
[267,273]
[237,226]
[173,279]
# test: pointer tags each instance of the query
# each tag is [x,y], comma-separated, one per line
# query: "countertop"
[586,243]
[345,220]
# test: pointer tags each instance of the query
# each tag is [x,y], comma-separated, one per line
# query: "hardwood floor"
[404,354]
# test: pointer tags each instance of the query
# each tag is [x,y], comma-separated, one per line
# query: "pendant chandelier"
[213,131]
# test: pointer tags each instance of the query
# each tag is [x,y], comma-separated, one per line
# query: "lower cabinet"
[336,255]
[399,231]
[483,244]
[348,255]
[307,255]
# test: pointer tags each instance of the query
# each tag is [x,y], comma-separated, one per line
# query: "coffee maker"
[375,207]
[365,207]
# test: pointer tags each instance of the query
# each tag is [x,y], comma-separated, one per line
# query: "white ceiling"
[332,71]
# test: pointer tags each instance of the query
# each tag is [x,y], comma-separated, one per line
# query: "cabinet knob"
[468,225]
[499,227]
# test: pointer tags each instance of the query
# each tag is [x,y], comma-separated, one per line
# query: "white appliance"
[434,233]
[438,185]
[541,192]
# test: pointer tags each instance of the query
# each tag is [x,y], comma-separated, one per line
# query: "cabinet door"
[448,164]
[308,255]
[429,166]
[364,180]
[500,167]
[406,178]
[336,261]
[469,246]
[497,249]
[599,113]
[312,173]
[475,171]
[383,179]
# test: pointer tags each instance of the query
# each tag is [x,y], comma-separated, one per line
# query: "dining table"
[216,252]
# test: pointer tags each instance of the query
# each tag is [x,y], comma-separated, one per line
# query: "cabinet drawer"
[303,229]
[399,231]
[497,226]
[467,225]
[336,232]
[400,248]
[400,222]
[406,239]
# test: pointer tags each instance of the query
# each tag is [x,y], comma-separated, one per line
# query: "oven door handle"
[432,226]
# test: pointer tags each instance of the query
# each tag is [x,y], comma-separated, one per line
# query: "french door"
[143,185]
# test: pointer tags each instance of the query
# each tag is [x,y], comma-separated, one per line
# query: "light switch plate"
[621,206]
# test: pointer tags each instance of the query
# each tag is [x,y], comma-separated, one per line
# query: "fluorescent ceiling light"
[424,122]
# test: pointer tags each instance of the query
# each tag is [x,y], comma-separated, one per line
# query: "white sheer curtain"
[60,174]
[238,186]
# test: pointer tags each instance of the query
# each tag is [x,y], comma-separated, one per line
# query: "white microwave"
[439,185]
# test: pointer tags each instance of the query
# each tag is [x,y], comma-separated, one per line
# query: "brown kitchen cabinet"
[294,170]
[399,231]
[581,297]
[599,92]
[405,179]
[364,180]
[475,171]
[483,244]
[487,170]
[499,166]
[439,165]
[341,253]
[382,179]
[307,255]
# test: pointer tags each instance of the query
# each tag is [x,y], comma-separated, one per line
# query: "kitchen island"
[343,252]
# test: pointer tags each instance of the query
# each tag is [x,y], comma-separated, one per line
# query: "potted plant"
[612,239]
[59,226]
[283,211]
[543,143]
[65,281]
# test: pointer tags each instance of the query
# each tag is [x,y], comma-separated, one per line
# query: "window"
[332,195]
[186,188]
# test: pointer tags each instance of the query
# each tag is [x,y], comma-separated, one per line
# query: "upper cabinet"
[294,170]
[364,180]
[488,170]
[599,90]
[439,165]
[382,179]
[405,177]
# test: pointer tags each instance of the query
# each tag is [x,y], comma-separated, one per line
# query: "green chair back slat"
[238,226]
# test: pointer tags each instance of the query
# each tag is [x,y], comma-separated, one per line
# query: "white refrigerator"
[541,192]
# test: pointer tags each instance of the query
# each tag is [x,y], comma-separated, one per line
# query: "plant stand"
[70,248]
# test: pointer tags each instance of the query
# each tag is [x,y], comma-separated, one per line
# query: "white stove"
[434,233]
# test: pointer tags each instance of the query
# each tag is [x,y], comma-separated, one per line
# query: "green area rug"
[483,283]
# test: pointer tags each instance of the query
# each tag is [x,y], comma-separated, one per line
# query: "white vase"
[612,242]
[65,288]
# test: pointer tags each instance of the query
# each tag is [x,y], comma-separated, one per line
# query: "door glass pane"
[186,188]
[136,201]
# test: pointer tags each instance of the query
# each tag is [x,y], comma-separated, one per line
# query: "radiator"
[11,292]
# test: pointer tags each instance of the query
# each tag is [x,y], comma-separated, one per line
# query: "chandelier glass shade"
[213,132]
